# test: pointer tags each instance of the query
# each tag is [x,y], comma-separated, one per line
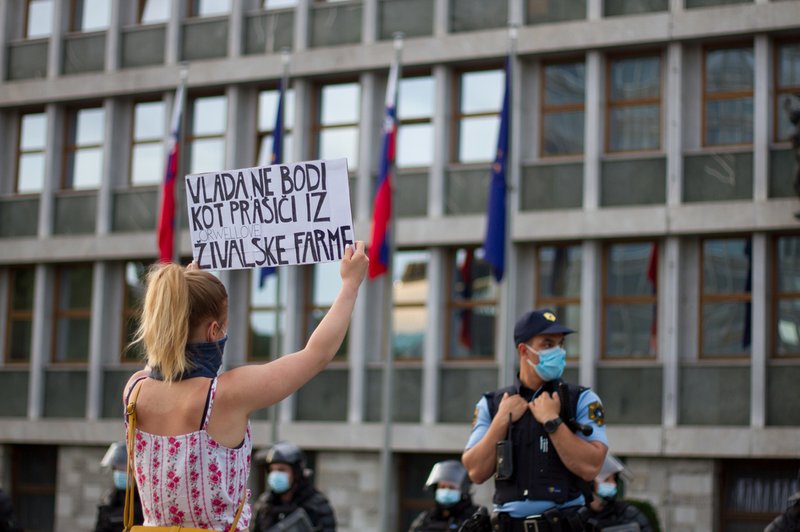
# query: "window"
[153,11]
[33,485]
[634,104]
[725,306]
[147,151]
[38,18]
[208,8]
[84,148]
[278,4]
[267,116]
[410,286]
[90,15]
[323,282]
[73,313]
[267,314]
[477,117]
[206,140]
[563,99]
[415,127]
[630,294]
[787,296]
[754,492]
[19,330]
[558,287]
[31,153]
[339,116]
[787,88]
[472,306]
[728,96]
[133,299]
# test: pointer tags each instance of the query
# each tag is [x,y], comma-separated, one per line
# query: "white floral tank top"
[191,480]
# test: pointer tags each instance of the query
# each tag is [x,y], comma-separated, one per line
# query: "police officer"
[542,438]
[450,484]
[608,510]
[291,503]
[111,509]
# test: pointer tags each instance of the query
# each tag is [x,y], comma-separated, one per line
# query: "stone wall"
[352,483]
[81,483]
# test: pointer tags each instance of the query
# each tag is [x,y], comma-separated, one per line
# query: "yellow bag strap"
[130,412]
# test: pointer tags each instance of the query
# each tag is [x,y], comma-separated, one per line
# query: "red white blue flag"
[166,218]
[382,210]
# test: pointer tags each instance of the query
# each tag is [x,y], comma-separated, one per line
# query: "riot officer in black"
[111,509]
[291,503]
[542,438]
[789,520]
[608,509]
[450,484]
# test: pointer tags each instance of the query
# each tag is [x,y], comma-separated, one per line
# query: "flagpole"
[179,175]
[387,410]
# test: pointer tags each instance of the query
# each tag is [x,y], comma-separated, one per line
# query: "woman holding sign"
[191,443]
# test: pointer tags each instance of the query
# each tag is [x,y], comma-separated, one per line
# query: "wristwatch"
[551,425]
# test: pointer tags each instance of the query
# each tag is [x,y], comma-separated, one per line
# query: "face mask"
[120,480]
[447,496]
[204,357]
[551,362]
[278,481]
[607,490]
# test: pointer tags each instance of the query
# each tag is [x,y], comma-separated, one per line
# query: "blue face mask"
[607,490]
[279,481]
[120,480]
[551,362]
[447,496]
[204,357]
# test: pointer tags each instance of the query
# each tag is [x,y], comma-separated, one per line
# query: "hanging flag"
[494,244]
[652,277]
[465,324]
[382,210]
[166,218]
[277,158]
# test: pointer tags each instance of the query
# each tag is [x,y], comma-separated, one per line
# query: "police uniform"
[270,509]
[451,486]
[441,518]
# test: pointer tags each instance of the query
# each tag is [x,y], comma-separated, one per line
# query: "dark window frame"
[545,109]
[721,96]
[260,134]
[58,314]
[341,357]
[189,138]
[279,308]
[555,301]
[20,151]
[779,90]
[317,127]
[129,312]
[456,116]
[776,298]
[68,148]
[14,315]
[134,142]
[411,74]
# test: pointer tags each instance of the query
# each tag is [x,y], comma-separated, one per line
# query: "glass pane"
[209,115]
[212,7]
[278,4]
[33,135]
[135,273]
[783,116]
[482,91]
[472,332]
[563,133]
[340,142]
[72,342]
[208,155]
[265,149]
[408,341]
[415,98]
[266,329]
[20,333]
[148,165]
[264,289]
[726,328]
[136,352]
[631,269]
[268,108]
[149,121]
[478,139]
[22,287]
[87,169]
[729,70]
[564,84]
[95,15]
[727,265]
[471,276]
[40,18]
[729,122]
[326,284]
[789,65]
[31,173]
[630,330]
[414,145]
[155,11]
[559,271]
[75,288]
[788,264]
[340,104]
[91,127]
[635,78]
[635,128]
[410,272]
[788,327]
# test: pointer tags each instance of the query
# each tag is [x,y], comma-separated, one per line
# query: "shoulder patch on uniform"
[596,413]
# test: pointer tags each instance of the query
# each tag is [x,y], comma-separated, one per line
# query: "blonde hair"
[177,300]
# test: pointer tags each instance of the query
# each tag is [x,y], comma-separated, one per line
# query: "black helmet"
[285,452]
[449,471]
[116,456]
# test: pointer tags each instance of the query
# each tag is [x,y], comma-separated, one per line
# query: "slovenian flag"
[277,158]
[166,218]
[382,210]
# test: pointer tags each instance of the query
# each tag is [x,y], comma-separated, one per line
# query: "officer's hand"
[545,407]
[511,404]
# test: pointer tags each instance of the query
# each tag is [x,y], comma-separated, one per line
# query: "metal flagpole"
[387,410]
[181,165]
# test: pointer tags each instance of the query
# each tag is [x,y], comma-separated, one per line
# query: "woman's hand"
[354,264]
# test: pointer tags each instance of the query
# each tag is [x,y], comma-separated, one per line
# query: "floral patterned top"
[191,480]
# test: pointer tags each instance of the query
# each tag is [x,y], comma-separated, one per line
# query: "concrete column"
[434,335]
[369,22]
[760,323]
[236,29]
[114,37]
[54,52]
[669,313]
[762,117]
[10,132]
[441,135]
[441,17]
[101,286]
[5,38]
[41,336]
[358,346]
[235,135]
[591,309]
[365,182]
[172,39]
[516,13]
[111,167]
[593,136]
[594,9]
[294,319]
[676,6]
[301,25]
[5,300]
[673,144]
[52,173]
[237,283]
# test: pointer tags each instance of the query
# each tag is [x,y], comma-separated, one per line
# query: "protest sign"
[275,215]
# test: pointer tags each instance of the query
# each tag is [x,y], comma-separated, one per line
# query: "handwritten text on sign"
[270,216]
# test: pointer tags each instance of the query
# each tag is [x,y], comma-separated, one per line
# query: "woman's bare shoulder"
[133,378]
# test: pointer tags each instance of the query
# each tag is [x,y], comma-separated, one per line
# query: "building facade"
[651,204]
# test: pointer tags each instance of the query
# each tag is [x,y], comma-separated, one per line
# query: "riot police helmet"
[449,471]
[284,452]
[116,456]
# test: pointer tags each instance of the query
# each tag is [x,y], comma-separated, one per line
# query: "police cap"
[537,322]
